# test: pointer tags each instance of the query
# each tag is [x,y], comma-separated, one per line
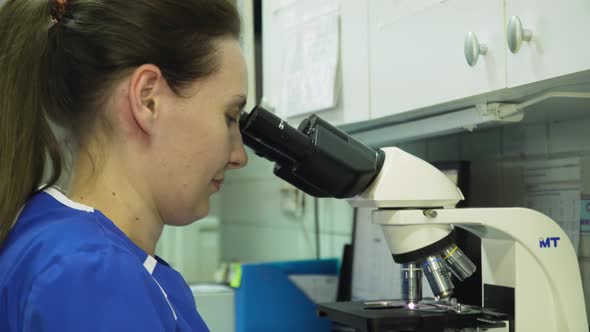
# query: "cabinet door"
[353,98]
[418,60]
[559,43]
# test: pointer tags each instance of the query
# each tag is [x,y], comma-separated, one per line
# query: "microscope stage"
[394,316]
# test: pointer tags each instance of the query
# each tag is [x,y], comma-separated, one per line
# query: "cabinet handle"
[473,49]
[517,34]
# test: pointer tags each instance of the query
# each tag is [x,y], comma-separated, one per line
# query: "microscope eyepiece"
[273,132]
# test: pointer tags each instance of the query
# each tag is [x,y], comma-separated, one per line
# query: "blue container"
[268,301]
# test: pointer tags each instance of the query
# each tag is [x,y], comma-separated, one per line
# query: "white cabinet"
[353,100]
[417,57]
[559,43]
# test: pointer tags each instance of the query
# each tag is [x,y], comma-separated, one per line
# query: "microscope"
[530,275]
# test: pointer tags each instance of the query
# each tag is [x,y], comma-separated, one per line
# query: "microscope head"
[323,161]
[408,182]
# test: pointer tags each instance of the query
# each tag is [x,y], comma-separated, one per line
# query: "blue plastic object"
[268,301]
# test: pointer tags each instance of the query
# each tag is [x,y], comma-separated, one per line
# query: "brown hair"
[58,64]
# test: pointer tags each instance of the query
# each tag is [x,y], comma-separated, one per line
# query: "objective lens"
[456,261]
[438,277]
[411,284]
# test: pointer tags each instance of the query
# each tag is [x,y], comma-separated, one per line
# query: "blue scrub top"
[66,267]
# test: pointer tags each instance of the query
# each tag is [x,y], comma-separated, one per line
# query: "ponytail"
[27,143]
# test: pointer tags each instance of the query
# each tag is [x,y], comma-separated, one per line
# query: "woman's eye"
[229,119]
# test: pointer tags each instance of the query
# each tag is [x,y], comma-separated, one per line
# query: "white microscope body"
[524,252]
[521,248]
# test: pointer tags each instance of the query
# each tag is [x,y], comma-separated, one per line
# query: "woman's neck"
[116,190]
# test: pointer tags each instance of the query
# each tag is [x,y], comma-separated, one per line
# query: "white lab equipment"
[530,275]
[522,249]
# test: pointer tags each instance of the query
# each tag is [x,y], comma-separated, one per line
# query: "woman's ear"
[145,96]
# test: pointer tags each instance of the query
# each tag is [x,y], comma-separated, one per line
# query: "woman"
[150,92]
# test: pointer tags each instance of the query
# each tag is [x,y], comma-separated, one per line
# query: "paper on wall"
[311,58]
[375,273]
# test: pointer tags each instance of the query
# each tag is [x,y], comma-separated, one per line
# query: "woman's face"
[198,139]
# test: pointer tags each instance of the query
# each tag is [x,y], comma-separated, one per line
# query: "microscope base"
[366,317]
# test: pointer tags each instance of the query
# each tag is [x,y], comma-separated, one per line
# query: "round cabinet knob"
[473,49]
[517,34]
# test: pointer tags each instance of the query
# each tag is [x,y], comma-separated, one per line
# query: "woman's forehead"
[232,63]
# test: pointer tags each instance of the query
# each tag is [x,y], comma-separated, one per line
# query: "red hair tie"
[59,10]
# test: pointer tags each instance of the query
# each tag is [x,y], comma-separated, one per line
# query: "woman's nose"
[238,157]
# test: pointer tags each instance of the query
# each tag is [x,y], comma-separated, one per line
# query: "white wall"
[254,227]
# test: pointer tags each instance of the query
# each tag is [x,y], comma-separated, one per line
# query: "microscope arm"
[522,249]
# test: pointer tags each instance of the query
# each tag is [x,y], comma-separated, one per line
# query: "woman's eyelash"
[230,119]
